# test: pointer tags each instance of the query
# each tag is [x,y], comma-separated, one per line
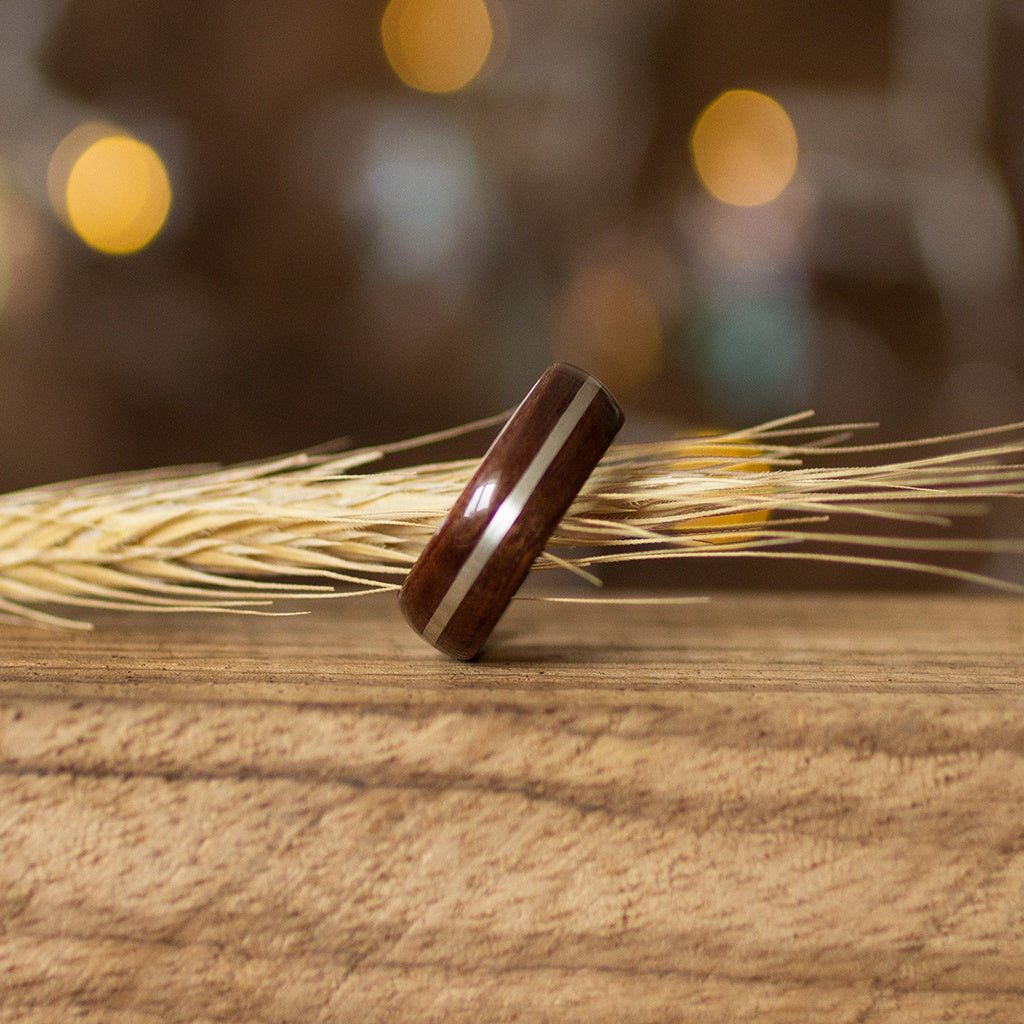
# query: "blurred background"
[232,228]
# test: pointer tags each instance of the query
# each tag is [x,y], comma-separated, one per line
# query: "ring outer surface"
[471,568]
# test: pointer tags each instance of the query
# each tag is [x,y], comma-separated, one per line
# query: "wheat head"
[325,523]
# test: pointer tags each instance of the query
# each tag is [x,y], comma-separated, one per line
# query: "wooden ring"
[470,569]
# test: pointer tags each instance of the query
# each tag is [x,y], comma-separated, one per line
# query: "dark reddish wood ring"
[465,577]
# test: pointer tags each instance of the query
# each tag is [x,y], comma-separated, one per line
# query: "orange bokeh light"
[110,188]
[744,148]
[610,323]
[437,46]
[715,457]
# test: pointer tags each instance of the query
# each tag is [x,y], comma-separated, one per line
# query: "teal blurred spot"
[753,355]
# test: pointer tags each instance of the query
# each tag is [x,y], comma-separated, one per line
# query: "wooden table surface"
[770,807]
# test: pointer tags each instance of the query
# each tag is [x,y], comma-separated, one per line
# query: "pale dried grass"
[321,523]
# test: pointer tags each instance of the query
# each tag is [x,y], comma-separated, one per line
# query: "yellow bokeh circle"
[744,148]
[118,194]
[437,46]
[714,457]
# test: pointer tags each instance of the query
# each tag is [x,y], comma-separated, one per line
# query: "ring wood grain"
[469,571]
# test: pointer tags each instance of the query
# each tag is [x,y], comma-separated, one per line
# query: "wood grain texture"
[775,808]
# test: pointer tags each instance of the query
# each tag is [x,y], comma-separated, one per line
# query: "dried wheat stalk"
[319,524]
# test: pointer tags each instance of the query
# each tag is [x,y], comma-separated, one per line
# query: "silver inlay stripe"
[509,510]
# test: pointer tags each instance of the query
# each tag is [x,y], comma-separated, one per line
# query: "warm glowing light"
[719,457]
[609,322]
[744,148]
[116,193]
[437,45]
